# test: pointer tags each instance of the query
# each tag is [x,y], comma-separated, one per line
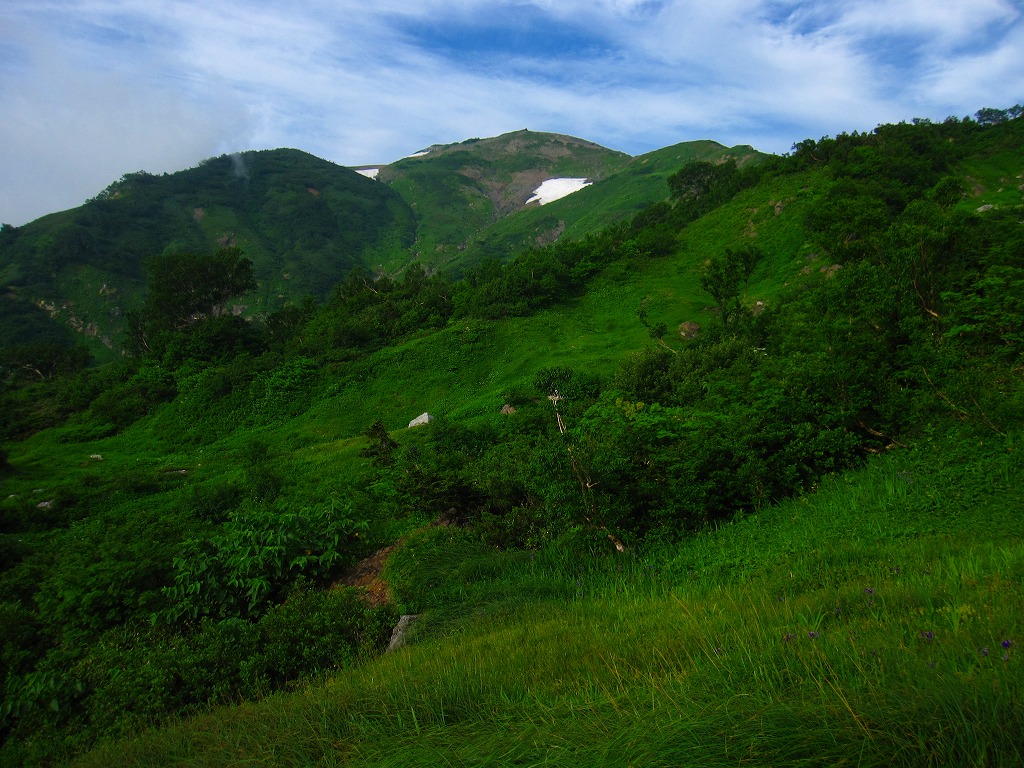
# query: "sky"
[93,89]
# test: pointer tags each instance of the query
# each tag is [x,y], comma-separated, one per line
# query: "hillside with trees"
[733,478]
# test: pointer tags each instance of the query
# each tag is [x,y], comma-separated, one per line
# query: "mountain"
[459,190]
[634,184]
[305,223]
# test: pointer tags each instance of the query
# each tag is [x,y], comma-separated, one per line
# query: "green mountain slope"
[799,414]
[304,223]
[641,181]
[458,190]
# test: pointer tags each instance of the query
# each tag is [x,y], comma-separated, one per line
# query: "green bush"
[258,554]
[137,678]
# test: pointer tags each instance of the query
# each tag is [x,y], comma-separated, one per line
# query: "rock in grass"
[423,418]
[398,633]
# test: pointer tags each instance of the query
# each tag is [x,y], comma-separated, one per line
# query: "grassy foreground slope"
[874,622]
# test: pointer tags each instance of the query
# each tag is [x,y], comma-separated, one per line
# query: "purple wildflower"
[928,635]
[983,650]
[813,635]
[1007,643]
[869,590]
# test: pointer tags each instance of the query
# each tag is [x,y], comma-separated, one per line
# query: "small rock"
[398,633]
[423,418]
[689,330]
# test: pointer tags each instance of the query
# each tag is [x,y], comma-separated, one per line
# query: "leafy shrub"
[134,678]
[258,554]
[125,404]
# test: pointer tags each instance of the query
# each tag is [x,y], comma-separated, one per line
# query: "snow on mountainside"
[556,189]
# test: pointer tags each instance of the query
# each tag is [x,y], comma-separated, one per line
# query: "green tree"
[381,447]
[727,276]
[184,288]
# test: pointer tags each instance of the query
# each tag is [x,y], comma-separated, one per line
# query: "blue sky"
[92,89]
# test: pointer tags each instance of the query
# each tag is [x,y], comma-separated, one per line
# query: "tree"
[381,448]
[702,179]
[726,275]
[184,288]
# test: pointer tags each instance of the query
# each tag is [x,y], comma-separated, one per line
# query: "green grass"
[996,179]
[862,624]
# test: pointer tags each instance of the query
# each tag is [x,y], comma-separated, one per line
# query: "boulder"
[399,632]
[423,418]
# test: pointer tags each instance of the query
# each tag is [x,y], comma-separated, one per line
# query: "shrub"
[259,553]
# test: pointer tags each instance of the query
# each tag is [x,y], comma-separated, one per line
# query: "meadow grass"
[876,621]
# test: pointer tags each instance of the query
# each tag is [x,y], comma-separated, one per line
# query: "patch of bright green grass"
[873,622]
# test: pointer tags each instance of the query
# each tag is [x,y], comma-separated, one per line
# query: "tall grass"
[875,622]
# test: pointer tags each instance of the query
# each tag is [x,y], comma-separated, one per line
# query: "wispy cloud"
[95,88]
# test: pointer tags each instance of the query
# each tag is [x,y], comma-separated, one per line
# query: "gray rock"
[423,418]
[398,633]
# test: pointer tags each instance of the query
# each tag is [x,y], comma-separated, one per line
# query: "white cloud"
[96,88]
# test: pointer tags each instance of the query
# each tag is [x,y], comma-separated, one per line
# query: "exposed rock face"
[689,330]
[400,630]
[423,418]
[507,409]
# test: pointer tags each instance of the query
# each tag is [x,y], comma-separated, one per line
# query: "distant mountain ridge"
[306,222]
[472,198]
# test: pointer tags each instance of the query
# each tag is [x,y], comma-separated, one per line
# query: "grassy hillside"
[458,190]
[875,621]
[793,395]
[641,181]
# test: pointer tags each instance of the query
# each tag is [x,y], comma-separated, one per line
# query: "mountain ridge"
[306,222]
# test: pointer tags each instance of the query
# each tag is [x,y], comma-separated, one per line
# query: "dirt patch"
[366,576]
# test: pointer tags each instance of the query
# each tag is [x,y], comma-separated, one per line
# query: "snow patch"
[419,154]
[556,189]
[370,173]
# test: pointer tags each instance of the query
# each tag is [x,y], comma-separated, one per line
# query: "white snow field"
[556,189]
